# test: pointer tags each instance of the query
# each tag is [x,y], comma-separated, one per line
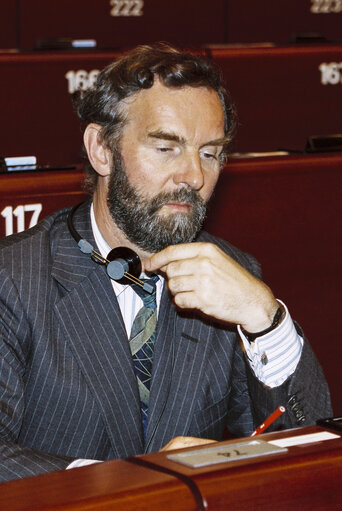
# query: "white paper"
[84,43]
[20,160]
[304,439]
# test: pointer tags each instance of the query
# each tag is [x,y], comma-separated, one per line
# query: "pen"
[279,411]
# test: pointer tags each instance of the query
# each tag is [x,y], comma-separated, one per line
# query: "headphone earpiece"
[123,260]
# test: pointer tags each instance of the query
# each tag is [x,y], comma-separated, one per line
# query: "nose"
[190,172]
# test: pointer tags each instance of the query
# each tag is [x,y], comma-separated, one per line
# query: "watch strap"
[251,336]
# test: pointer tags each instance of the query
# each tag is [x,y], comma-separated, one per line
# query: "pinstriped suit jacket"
[67,382]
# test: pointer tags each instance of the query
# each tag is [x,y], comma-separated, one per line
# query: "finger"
[173,253]
[188,300]
[181,284]
[182,267]
[184,441]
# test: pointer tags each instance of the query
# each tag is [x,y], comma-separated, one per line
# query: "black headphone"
[122,264]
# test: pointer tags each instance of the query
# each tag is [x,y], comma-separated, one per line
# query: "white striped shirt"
[129,301]
[273,356]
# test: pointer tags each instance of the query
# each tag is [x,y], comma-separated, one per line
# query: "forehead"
[188,111]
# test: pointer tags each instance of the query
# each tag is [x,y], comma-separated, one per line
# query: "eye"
[164,149]
[209,156]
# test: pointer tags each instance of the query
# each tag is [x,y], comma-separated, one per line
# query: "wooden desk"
[307,477]
[27,197]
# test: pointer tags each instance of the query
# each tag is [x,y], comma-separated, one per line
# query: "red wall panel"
[9,27]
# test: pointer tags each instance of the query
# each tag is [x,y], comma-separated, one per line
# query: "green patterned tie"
[141,343]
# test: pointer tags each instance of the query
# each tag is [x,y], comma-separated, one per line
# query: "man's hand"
[180,442]
[201,276]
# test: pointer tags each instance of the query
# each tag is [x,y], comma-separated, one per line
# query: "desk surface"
[306,477]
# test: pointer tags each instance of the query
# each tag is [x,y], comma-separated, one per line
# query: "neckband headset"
[122,263]
[124,266]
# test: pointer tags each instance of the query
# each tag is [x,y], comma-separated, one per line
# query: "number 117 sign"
[21,217]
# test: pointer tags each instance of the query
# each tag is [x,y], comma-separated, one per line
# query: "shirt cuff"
[274,356]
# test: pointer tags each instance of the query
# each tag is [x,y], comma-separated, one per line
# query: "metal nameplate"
[226,453]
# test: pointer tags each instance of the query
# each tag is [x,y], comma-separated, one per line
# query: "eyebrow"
[164,135]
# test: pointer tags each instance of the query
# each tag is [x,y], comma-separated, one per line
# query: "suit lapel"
[91,319]
[93,325]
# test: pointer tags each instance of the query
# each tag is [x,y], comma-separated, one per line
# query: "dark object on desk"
[331,423]
[324,144]
[3,166]
[309,38]
[28,167]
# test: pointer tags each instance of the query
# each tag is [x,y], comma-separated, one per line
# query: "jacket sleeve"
[16,461]
[305,394]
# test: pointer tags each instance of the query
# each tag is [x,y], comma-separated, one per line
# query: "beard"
[137,216]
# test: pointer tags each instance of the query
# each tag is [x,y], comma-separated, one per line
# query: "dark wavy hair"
[134,71]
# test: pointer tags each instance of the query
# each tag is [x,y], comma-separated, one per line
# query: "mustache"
[182,195]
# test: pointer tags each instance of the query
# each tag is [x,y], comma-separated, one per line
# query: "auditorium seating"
[28,196]
[280,21]
[284,210]
[36,111]
[122,23]
[283,94]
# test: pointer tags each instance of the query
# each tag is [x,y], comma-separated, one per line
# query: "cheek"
[146,172]
[210,181]
[138,169]
[145,177]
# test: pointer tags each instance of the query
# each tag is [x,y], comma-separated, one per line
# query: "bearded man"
[96,368]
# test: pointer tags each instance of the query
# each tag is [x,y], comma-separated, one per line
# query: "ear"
[99,156]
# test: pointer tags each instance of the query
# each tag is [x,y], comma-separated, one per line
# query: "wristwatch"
[276,321]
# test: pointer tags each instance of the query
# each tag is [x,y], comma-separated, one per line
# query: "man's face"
[168,165]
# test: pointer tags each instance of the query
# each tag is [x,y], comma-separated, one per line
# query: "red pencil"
[260,429]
